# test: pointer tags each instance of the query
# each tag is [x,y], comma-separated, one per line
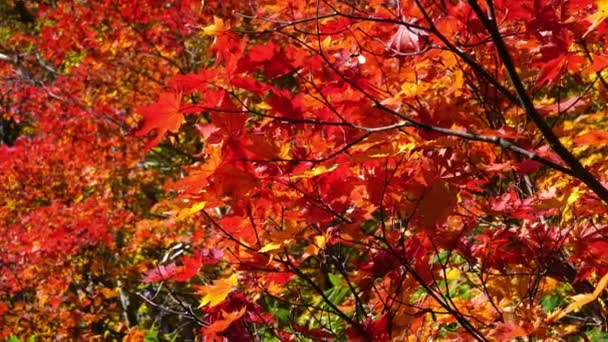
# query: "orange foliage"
[370,170]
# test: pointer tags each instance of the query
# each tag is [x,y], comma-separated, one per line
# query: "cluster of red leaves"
[352,135]
[70,183]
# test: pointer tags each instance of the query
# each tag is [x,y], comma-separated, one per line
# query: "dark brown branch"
[504,143]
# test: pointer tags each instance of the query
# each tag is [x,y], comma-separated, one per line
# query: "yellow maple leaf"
[214,294]
[318,244]
[599,16]
[270,247]
[580,300]
[213,29]
[285,151]
[319,170]
[187,212]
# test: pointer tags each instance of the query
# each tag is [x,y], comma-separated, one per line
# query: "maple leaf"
[220,325]
[437,203]
[160,273]
[187,212]
[316,171]
[197,178]
[528,166]
[550,71]
[600,62]
[191,266]
[598,17]
[408,39]
[189,82]
[580,300]
[207,130]
[594,137]
[134,335]
[284,105]
[217,292]
[162,116]
[215,28]
[384,198]
[270,247]
[508,331]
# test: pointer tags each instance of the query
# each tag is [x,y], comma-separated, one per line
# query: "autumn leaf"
[550,71]
[508,331]
[217,292]
[162,116]
[592,138]
[134,335]
[198,176]
[408,40]
[381,156]
[600,62]
[315,171]
[215,28]
[190,267]
[160,273]
[270,247]
[580,300]
[218,326]
[318,244]
[187,212]
[528,166]
[437,203]
[598,17]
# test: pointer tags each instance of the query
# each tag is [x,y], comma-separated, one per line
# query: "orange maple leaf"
[163,115]
[593,137]
[134,335]
[219,326]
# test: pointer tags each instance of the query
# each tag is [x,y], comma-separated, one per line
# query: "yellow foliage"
[580,300]
[217,292]
[215,28]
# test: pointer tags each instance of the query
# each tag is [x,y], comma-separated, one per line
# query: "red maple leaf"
[160,273]
[163,115]
[191,266]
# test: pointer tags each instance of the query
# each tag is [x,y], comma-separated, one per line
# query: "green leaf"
[282,314]
[334,279]
[597,335]
[151,335]
[337,294]
[550,302]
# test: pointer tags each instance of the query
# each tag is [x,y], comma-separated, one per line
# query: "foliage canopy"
[313,170]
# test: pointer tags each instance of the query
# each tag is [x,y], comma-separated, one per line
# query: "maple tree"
[72,184]
[367,170]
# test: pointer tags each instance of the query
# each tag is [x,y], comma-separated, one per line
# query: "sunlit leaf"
[601,13]
[580,300]
[162,116]
[217,292]
[220,325]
